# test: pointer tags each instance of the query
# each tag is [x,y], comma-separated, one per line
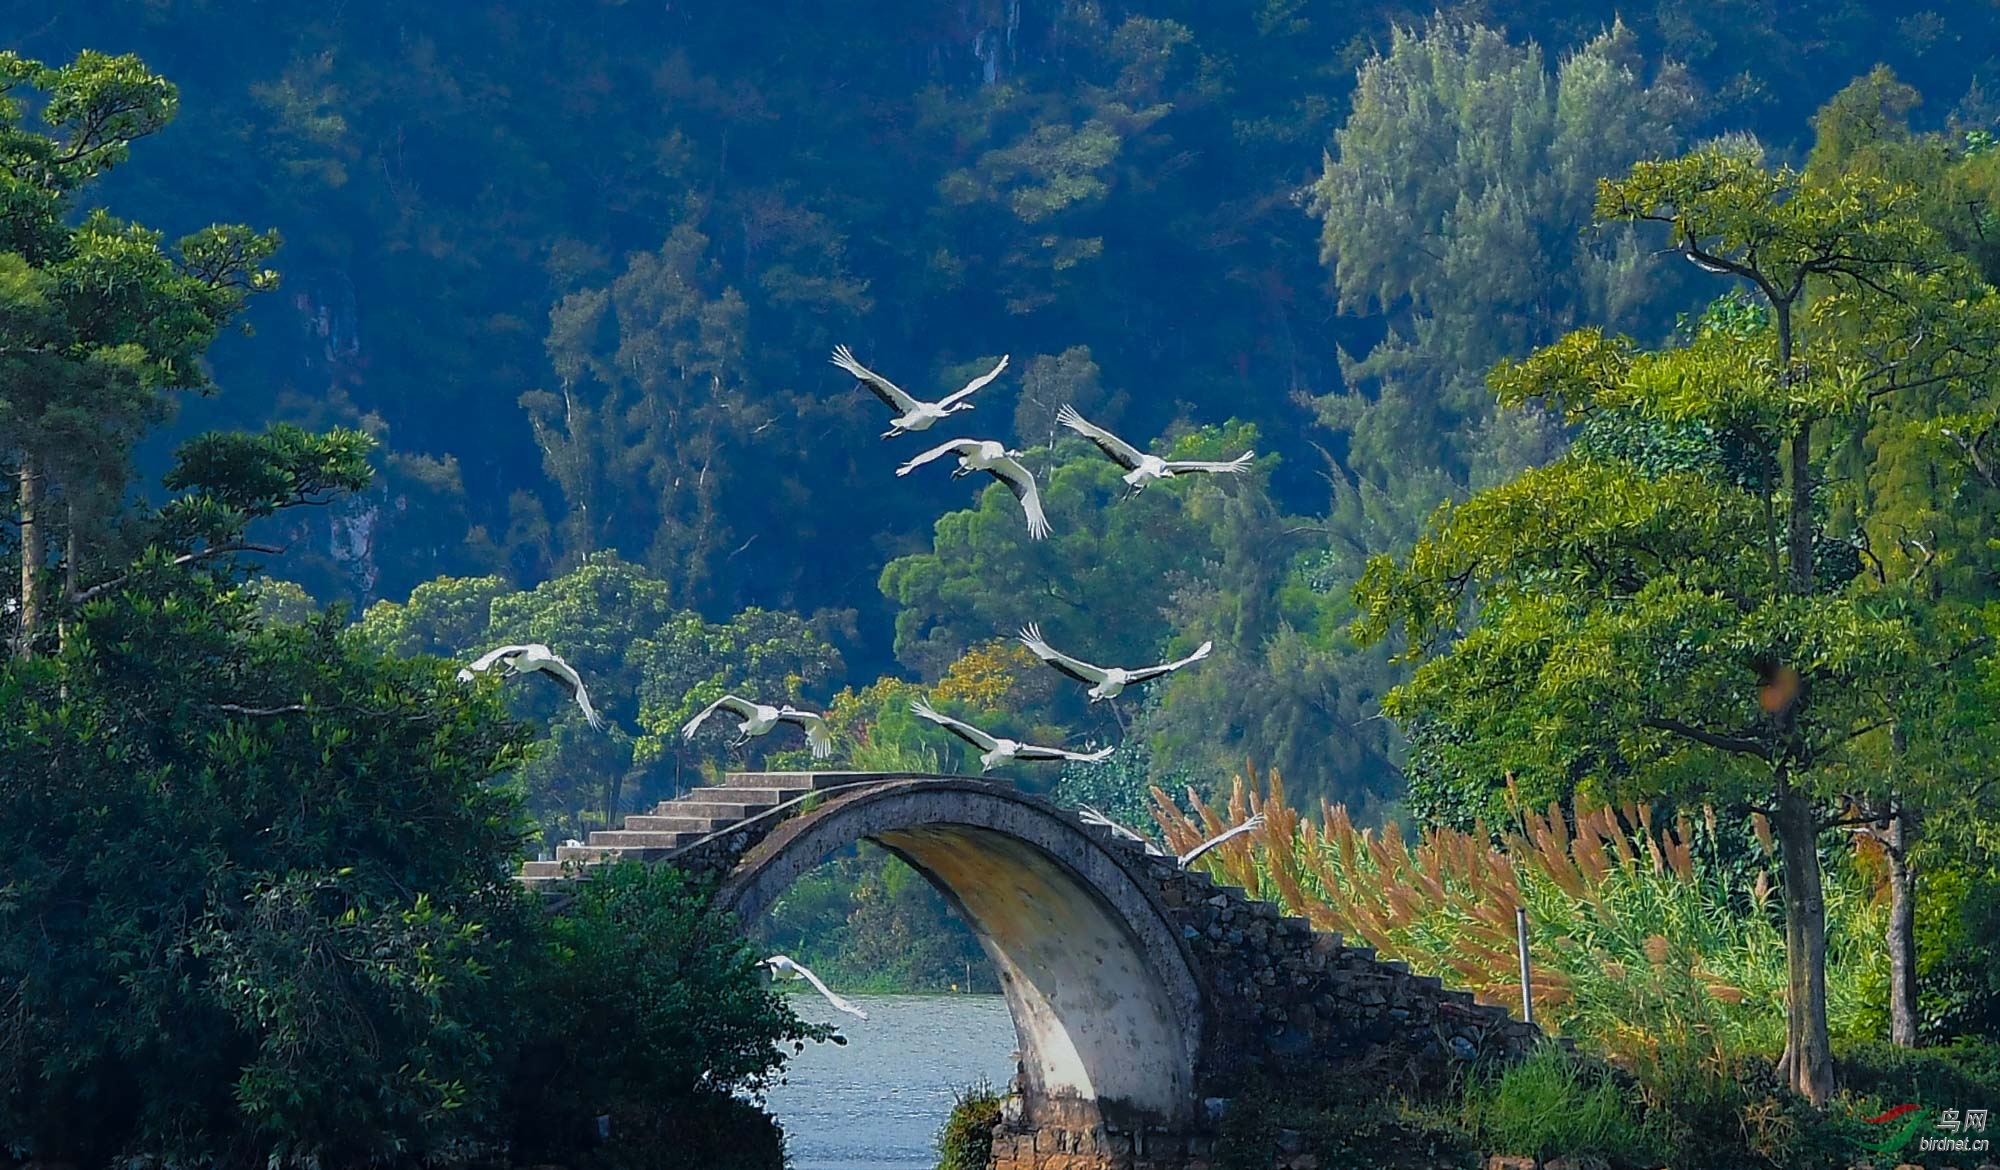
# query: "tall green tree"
[650,400]
[1652,624]
[99,323]
[1909,486]
[1455,207]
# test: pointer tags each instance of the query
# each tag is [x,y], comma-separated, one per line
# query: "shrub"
[966,1140]
[1965,1070]
[640,1004]
[252,908]
[1556,1105]
[1359,1119]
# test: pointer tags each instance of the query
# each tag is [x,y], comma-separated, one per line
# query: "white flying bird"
[1091,816]
[913,415]
[997,461]
[1140,466]
[996,751]
[532,657]
[759,719]
[1251,825]
[777,963]
[1106,681]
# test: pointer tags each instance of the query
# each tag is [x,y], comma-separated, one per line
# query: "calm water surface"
[877,1103]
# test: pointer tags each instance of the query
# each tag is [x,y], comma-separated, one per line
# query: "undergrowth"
[966,1140]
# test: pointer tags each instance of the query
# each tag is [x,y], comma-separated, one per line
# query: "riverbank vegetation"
[1655,947]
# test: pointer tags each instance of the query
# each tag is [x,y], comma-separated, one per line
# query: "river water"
[877,1102]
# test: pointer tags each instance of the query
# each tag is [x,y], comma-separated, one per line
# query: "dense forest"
[578,268]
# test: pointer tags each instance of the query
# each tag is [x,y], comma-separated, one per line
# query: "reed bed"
[1639,947]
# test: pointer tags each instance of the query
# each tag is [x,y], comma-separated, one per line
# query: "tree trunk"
[1902,936]
[614,793]
[31,556]
[1799,518]
[1807,1064]
[69,588]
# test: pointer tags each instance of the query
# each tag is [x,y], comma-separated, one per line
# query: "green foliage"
[1958,952]
[1553,1105]
[645,660]
[278,600]
[866,921]
[1650,941]
[1456,206]
[1133,581]
[287,872]
[640,1004]
[99,322]
[1118,787]
[1109,558]
[1657,618]
[770,656]
[360,1014]
[1967,1069]
[447,616]
[257,902]
[1366,1119]
[651,394]
[284,869]
[966,1140]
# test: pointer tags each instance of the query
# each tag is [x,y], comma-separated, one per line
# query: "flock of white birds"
[1004,464]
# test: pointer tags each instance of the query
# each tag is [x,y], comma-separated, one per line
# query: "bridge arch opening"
[1106,1008]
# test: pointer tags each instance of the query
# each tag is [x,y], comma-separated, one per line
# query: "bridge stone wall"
[1279,996]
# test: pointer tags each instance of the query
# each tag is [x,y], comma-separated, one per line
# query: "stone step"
[595,853]
[629,839]
[776,794]
[541,869]
[714,810]
[761,797]
[671,823]
[804,781]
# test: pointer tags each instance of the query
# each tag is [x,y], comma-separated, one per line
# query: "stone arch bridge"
[1142,994]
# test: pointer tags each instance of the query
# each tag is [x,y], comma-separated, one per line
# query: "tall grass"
[1638,947]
